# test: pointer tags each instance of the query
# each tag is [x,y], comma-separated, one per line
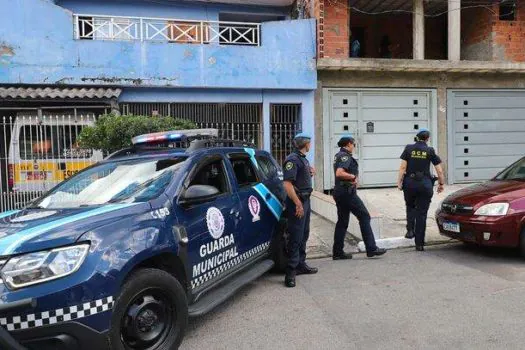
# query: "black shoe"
[420,248]
[342,256]
[306,270]
[289,279]
[410,234]
[377,252]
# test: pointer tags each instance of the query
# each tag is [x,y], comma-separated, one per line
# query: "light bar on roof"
[174,135]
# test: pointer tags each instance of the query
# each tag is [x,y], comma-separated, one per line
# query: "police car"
[121,254]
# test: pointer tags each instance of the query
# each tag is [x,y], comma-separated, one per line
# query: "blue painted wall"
[37,47]
[165,9]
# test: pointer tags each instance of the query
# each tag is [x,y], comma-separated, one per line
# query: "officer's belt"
[303,195]
[419,175]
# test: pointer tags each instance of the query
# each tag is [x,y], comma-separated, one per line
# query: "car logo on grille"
[453,208]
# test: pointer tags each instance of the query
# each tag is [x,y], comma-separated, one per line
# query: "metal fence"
[285,123]
[95,27]
[36,153]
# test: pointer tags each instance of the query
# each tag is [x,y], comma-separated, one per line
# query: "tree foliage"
[113,132]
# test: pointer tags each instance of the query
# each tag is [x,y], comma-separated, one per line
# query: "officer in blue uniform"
[298,185]
[417,184]
[346,172]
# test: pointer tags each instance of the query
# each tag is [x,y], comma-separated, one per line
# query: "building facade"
[248,70]
[387,69]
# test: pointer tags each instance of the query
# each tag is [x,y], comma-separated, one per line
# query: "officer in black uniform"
[298,185]
[417,183]
[345,194]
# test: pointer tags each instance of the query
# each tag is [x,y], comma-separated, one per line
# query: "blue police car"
[121,254]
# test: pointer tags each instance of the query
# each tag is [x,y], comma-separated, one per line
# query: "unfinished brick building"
[388,68]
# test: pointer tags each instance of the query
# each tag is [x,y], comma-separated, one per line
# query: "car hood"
[38,229]
[490,191]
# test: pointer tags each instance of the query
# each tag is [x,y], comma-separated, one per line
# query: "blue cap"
[346,137]
[303,135]
[422,130]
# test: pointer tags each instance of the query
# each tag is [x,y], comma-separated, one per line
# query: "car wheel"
[522,242]
[150,313]
[278,248]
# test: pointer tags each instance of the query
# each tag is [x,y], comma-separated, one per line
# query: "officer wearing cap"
[417,183]
[345,195]
[298,185]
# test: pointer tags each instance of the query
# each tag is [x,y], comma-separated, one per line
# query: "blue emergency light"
[174,135]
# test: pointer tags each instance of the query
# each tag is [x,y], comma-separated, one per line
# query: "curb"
[399,242]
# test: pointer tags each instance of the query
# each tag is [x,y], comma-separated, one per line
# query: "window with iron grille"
[285,123]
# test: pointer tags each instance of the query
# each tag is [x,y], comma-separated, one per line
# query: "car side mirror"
[197,194]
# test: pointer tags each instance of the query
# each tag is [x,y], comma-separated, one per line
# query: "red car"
[491,213]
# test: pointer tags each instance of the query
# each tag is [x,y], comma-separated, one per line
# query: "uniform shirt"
[344,160]
[418,157]
[297,171]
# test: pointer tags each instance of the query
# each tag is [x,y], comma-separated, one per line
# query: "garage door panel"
[469,114]
[344,100]
[490,126]
[344,114]
[341,128]
[492,138]
[382,164]
[475,175]
[378,178]
[381,152]
[408,114]
[398,127]
[394,100]
[400,140]
[490,101]
[489,150]
[499,162]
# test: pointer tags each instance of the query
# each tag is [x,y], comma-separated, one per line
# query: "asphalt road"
[449,297]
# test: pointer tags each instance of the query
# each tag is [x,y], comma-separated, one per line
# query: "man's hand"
[299,210]
[400,186]
[355,181]
[440,188]
[312,171]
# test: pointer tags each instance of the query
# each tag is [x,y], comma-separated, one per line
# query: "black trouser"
[347,202]
[299,231]
[418,195]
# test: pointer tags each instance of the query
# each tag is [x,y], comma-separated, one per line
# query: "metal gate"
[488,128]
[38,152]
[383,123]
[285,122]
[233,120]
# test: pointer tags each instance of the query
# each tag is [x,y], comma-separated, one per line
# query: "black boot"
[289,279]
[410,234]
[306,270]
[377,252]
[342,256]
[420,248]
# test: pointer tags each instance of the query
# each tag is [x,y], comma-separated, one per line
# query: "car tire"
[278,246]
[522,243]
[151,312]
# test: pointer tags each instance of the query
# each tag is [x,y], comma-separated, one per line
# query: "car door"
[212,225]
[259,213]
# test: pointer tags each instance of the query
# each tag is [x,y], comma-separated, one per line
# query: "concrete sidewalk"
[387,209]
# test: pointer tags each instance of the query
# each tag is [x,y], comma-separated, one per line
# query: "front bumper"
[501,231]
[66,336]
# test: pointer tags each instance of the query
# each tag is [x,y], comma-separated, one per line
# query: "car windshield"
[114,182]
[515,172]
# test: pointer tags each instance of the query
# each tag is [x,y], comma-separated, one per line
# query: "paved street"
[451,296]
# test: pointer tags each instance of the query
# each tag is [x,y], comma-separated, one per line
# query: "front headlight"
[493,209]
[33,268]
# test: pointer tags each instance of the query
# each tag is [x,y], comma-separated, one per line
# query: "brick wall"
[332,28]
[485,37]
[509,36]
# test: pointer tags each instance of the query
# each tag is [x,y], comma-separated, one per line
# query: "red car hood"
[490,191]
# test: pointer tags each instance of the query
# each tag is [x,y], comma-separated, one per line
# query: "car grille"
[457,209]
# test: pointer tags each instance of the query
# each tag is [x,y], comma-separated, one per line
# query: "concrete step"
[324,205]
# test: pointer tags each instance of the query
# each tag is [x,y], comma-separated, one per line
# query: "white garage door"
[488,129]
[383,122]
